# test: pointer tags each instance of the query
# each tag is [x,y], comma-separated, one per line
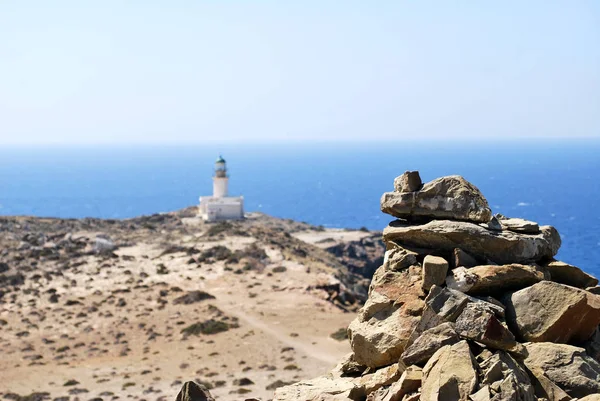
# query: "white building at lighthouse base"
[227,208]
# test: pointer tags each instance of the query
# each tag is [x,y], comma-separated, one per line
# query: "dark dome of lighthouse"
[220,160]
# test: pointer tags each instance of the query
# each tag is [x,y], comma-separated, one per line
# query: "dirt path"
[313,351]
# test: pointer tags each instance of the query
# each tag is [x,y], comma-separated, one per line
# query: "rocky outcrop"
[477,302]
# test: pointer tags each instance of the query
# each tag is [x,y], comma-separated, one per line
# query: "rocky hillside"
[466,306]
[107,309]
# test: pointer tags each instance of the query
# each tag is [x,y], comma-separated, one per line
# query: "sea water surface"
[331,184]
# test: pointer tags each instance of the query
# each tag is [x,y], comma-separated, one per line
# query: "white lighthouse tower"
[220,179]
[221,206]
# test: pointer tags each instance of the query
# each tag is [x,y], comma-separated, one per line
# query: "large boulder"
[565,273]
[384,324]
[569,367]
[450,374]
[502,247]
[450,197]
[549,311]
[493,279]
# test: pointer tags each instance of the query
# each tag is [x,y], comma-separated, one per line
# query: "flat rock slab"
[450,197]
[501,247]
[493,279]
[320,389]
[519,225]
[549,311]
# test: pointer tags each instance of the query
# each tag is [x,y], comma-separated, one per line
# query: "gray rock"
[500,247]
[435,269]
[423,348]
[450,197]
[554,312]
[565,273]
[569,367]
[192,391]
[518,225]
[476,323]
[410,181]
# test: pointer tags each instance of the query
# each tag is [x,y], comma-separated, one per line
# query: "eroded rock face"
[503,247]
[450,197]
[450,374]
[553,312]
[567,366]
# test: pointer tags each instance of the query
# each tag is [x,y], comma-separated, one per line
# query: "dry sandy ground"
[115,332]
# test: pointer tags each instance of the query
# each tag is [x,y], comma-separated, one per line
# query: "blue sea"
[332,184]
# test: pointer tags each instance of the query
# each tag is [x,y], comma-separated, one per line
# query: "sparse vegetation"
[340,335]
[207,327]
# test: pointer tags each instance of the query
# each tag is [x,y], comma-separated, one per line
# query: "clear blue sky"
[115,71]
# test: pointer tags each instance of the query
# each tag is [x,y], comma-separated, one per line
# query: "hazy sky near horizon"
[145,71]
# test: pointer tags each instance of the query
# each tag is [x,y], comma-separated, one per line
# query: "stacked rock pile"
[467,306]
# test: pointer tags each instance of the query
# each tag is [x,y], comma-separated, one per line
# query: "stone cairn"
[466,306]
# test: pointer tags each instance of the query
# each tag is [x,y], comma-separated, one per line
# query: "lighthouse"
[221,206]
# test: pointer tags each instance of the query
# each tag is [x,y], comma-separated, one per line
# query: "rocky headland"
[131,309]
